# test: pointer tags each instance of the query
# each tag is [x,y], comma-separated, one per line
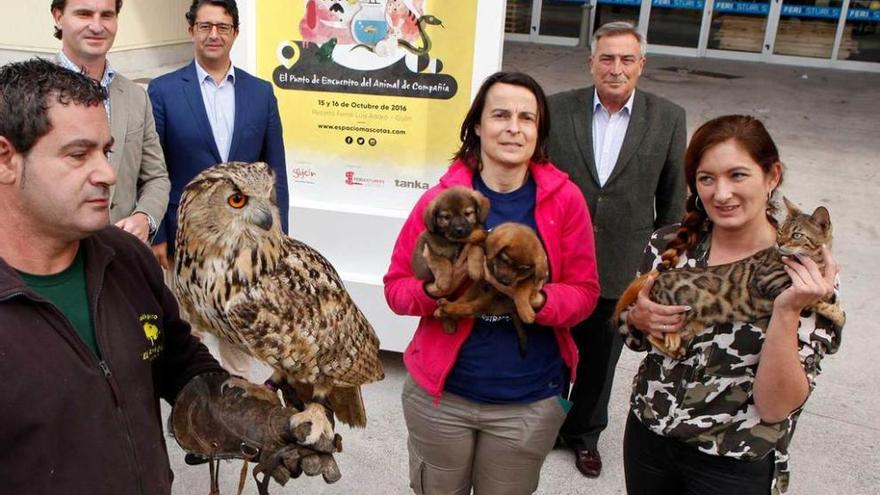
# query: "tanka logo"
[410,184]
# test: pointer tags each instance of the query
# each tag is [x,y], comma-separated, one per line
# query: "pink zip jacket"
[565,228]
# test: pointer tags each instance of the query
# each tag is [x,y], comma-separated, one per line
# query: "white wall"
[27,25]
[152,33]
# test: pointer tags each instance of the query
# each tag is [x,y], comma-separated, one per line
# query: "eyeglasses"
[206,27]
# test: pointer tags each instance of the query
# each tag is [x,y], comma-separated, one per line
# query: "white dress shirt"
[608,133]
[219,99]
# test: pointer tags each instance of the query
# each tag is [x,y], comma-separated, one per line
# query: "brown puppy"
[453,222]
[516,260]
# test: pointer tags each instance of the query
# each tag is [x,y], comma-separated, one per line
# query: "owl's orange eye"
[237,200]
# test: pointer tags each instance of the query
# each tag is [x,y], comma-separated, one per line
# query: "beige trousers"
[461,445]
[234,360]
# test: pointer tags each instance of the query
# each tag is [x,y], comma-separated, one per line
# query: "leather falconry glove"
[217,416]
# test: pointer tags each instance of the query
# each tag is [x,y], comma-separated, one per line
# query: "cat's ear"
[822,218]
[793,210]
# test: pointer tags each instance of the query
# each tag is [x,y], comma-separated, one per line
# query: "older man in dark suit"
[625,149]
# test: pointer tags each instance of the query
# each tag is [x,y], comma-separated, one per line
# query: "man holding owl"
[90,336]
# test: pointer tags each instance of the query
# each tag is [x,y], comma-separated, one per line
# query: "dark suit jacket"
[188,143]
[649,173]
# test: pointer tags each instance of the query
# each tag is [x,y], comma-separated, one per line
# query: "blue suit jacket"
[188,143]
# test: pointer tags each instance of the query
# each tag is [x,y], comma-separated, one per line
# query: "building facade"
[842,34]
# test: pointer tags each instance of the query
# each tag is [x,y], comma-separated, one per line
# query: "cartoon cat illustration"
[403,15]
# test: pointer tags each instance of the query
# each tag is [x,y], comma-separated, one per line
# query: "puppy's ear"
[542,271]
[428,216]
[494,245]
[483,205]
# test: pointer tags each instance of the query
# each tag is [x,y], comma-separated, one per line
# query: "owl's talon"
[319,426]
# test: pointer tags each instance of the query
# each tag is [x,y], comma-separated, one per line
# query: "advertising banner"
[371,93]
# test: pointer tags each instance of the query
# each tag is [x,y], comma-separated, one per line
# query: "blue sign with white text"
[633,3]
[743,8]
[749,8]
[678,4]
[863,15]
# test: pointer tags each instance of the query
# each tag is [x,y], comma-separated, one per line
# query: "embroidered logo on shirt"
[151,332]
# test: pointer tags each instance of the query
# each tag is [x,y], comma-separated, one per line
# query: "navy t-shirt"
[489,368]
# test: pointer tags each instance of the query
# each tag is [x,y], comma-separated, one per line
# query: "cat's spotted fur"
[740,291]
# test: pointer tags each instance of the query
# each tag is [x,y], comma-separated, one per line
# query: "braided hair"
[752,137]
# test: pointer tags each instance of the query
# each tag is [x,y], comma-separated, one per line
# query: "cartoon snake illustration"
[426,40]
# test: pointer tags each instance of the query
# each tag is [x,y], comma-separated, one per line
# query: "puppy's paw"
[475,262]
[526,314]
[440,312]
[442,283]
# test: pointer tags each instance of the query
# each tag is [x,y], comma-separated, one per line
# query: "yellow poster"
[371,93]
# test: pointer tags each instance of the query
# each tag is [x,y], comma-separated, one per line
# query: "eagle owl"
[241,278]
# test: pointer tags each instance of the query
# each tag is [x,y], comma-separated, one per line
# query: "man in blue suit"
[210,112]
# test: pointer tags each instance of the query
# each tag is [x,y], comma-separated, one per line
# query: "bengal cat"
[740,291]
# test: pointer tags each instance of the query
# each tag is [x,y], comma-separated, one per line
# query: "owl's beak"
[262,219]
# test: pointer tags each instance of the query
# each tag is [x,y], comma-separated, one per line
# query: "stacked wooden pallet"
[739,33]
[797,37]
[519,16]
[812,39]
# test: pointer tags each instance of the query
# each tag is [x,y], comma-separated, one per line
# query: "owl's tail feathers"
[348,405]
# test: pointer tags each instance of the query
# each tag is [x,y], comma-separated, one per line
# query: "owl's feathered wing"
[299,319]
[240,278]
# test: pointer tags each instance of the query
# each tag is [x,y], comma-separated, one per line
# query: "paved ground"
[826,125]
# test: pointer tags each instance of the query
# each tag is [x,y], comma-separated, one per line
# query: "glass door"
[806,28]
[545,21]
[617,10]
[860,40]
[675,23]
[518,20]
[561,18]
[738,26]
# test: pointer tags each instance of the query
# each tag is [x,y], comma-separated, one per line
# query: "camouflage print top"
[706,399]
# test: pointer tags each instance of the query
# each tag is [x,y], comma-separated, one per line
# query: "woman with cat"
[719,420]
[480,415]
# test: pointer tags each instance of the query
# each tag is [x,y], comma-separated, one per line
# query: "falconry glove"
[218,416]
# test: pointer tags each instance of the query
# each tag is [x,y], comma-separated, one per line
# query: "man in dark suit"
[210,112]
[625,149]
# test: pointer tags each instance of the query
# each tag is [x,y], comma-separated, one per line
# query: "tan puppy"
[516,270]
[454,227]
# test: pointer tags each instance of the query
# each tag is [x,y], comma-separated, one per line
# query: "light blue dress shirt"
[608,133]
[106,78]
[219,100]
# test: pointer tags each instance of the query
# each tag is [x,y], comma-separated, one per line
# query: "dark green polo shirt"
[67,291]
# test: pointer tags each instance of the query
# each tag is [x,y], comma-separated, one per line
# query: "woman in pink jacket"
[481,416]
